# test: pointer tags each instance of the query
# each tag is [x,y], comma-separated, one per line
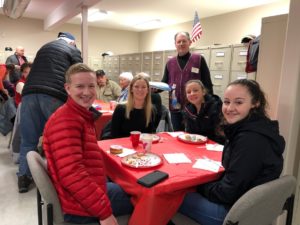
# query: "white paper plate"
[155,138]
[141,160]
[192,138]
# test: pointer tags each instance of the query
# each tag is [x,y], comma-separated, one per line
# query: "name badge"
[195,70]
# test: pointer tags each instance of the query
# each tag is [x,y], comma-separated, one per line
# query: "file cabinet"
[238,63]
[204,52]
[219,66]
[147,62]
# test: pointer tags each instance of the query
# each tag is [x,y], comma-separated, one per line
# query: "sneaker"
[23,183]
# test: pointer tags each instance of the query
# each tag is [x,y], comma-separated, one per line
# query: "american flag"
[197,29]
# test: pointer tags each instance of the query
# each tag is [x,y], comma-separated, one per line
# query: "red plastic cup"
[112,105]
[135,138]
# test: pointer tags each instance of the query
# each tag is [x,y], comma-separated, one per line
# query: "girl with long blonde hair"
[138,113]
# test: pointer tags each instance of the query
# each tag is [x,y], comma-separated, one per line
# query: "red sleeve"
[2,75]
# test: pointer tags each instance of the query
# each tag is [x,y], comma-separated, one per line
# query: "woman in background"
[138,113]
[202,112]
[252,154]
[124,80]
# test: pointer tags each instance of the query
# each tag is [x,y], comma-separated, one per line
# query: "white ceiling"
[124,14]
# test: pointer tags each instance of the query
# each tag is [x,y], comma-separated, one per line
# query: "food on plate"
[141,160]
[116,149]
[192,138]
[138,160]
[187,137]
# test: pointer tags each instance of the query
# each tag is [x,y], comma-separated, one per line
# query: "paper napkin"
[214,147]
[126,151]
[177,158]
[207,164]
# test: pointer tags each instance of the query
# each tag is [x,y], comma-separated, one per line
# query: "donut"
[116,149]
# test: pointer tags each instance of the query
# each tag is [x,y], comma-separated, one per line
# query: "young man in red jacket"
[74,159]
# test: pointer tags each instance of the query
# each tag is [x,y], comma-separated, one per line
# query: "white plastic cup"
[147,142]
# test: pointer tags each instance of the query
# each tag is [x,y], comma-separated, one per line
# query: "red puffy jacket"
[75,162]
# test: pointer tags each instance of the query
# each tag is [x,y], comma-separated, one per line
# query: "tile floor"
[15,208]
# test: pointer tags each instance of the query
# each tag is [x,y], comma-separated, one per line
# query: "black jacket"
[251,156]
[207,121]
[47,74]
[121,126]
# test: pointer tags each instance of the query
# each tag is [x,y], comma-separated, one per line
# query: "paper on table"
[207,164]
[106,111]
[175,134]
[214,147]
[126,151]
[177,158]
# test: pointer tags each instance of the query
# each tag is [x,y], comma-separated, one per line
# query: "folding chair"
[262,204]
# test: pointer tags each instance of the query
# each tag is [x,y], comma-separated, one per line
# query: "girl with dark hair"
[252,154]
[202,112]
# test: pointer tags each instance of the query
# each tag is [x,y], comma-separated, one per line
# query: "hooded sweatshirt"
[206,121]
[252,156]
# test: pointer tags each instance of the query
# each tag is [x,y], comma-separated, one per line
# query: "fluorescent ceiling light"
[1,3]
[148,24]
[97,15]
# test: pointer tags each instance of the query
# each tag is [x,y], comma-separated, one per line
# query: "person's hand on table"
[111,220]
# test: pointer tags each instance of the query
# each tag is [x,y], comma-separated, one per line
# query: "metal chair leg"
[289,206]
[49,214]
[40,203]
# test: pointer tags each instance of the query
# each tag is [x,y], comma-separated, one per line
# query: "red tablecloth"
[158,204]
[104,118]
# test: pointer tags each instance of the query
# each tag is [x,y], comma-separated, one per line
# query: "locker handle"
[217,85]
[219,62]
[241,62]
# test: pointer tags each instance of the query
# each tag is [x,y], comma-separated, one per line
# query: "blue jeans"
[202,210]
[177,121]
[120,204]
[35,111]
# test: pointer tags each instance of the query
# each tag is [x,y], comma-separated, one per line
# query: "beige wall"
[270,58]
[30,34]
[223,29]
